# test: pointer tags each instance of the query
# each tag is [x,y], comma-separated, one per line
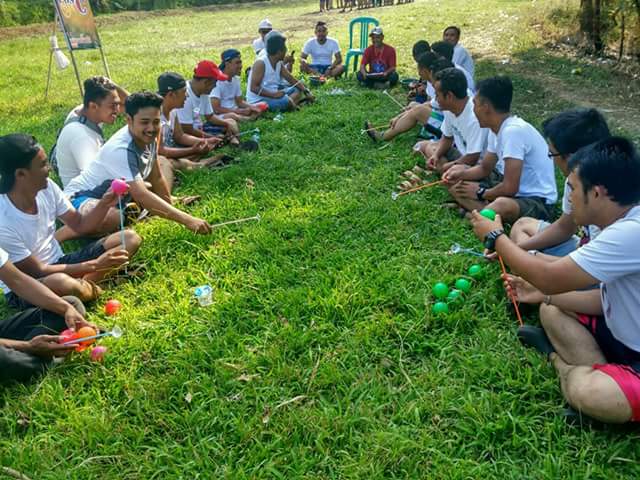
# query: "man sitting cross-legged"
[131,154]
[30,204]
[81,137]
[268,73]
[427,114]
[29,339]
[463,140]
[184,152]
[322,50]
[517,151]
[566,133]
[226,97]
[378,66]
[592,338]
[198,106]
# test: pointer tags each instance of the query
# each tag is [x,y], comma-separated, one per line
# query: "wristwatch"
[490,239]
[480,193]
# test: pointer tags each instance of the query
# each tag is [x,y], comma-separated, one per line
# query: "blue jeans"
[279,104]
[322,69]
[562,249]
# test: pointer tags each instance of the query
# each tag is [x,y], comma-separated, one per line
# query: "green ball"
[454,296]
[463,285]
[488,213]
[440,307]
[440,290]
[475,271]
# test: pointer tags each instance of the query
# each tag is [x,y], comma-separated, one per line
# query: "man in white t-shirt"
[460,54]
[326,59]
[29,339]
[226,96]
[183,151]
[197,107]
[81,137]
[30,205]
[592,337]
[131,155]
[566,133]
[517,151]
[264,27]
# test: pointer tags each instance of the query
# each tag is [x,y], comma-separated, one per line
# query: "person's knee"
[549,315]
[524,227]
[132,241]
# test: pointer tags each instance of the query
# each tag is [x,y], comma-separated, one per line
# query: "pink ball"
[98,353]
[263,106]
[119,187]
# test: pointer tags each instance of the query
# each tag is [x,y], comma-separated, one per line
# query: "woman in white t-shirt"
[326,58]
[226,97]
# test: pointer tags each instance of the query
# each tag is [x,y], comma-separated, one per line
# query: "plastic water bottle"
[278,118]
[204,295]
[256,137]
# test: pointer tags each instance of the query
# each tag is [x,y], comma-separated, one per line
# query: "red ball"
[112,307]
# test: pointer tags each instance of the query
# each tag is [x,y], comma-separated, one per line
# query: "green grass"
[327,298]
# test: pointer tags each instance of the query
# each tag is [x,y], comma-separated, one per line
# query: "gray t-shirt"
[614,259]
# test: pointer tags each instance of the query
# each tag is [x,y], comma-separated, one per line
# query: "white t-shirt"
[258,45]
[195,107]
[462,57]
[227,92]
[23,235]
[471,85]
[519,140]
[590,231]
[119,158]
[614,259]
[465,130]
[78,145]
[321,54]
[4,258]
[168,126]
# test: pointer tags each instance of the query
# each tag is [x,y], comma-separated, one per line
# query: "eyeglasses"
[551,155]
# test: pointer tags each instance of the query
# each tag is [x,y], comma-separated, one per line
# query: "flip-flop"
[188,200]
[405,186]
[249,146]
[368,127]
[418,170]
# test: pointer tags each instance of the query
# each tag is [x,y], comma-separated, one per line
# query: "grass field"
[320,357]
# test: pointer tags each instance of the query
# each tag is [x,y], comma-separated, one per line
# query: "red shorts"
[624,368]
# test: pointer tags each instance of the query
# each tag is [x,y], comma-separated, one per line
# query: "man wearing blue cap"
[226,97]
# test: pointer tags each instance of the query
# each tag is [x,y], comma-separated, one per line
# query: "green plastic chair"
[355,53]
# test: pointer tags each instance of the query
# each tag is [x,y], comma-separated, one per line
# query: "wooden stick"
[374,128]
[397,102]
[511,296]
[232,222]
[415,189]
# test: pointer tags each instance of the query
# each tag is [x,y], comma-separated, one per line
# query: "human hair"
[452,80]
[498,91]
[427,60]
[454,28]
[96,89]
[275,43]
[613,163]
[17,150]
[321,24]
[439,65]
[420,47]
[139,100]
[571,130]
[443,49]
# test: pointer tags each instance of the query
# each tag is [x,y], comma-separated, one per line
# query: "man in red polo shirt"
[378,67]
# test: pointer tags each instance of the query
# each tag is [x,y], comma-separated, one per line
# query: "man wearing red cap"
[198,105]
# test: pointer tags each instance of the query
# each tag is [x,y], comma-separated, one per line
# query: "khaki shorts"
[494,178]
[534,207]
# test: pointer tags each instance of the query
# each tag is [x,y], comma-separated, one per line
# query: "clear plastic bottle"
[204,295]
[256,137]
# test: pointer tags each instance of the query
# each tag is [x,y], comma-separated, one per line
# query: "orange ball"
[86,332]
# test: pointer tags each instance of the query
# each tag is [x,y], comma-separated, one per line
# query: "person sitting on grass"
[81,137]
[29,339]
[226,97]
[184,152]
[268,73]
[566,133]
[198,106]
[378,66]
[322,49]
[264,27]
[30,204]
[518,152]
[418,90]
[427,114]
[131,154]
[591,337]
[463,140]
[460,54]
[445,50]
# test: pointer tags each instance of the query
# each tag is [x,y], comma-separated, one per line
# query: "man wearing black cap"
[181,149]
[226,96]
[378,67]
[30,204]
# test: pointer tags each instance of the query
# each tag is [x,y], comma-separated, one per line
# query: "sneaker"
[535,337]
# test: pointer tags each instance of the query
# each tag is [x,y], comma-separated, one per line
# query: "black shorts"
[613,350]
